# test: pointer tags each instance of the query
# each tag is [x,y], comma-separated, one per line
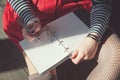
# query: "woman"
[23,15]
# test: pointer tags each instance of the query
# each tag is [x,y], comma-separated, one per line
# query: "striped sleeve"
[99,16]
[23,9]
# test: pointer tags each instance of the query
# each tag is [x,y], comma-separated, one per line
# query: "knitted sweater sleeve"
[99,16]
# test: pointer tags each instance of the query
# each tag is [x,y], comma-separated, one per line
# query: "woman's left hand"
[85,51]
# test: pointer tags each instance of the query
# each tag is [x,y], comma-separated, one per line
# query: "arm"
[99,18]
[29,21]
[23,9]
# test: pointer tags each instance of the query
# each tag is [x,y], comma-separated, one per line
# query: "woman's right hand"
[32,30]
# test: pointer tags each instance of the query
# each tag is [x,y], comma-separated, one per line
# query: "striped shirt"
[99,16]
[23,9]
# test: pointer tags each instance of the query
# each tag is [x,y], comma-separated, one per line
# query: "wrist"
[34,20]
[94,36]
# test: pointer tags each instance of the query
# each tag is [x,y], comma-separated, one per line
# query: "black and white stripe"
[99,16]
[23,9]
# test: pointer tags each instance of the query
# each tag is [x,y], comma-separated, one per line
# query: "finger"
[79,57]
[74,54]
[33,29]
[37,27]
[27,36]
[30,38]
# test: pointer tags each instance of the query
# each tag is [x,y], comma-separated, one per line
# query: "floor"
[12,64]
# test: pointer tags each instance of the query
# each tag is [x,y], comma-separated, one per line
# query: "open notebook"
[57,40]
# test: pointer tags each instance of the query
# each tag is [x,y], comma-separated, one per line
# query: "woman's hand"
[31,31]
[85,51]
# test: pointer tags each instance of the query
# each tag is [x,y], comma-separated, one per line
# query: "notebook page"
[44,57]
[49,52]
[70,30]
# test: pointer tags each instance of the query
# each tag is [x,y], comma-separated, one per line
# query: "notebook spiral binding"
[54,34]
